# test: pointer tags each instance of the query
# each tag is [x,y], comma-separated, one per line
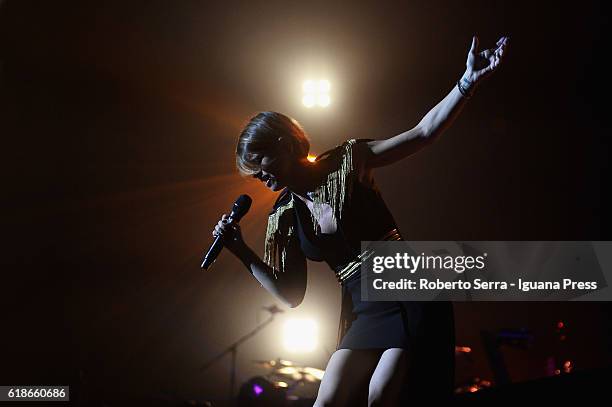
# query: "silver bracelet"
[466,88]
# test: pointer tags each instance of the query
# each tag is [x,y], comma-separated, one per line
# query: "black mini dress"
[426,329]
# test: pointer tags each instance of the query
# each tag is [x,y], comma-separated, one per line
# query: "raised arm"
[479,65]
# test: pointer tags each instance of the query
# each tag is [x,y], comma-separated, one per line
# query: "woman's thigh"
[347,376]
[388,377]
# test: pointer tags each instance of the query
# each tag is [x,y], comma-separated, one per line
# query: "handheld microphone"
[239,209]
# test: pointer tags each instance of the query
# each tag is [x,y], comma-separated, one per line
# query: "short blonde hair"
[260,137]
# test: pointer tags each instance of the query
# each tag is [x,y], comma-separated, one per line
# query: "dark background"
[119,122]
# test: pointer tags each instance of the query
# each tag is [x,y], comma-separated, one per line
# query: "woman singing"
[387,352]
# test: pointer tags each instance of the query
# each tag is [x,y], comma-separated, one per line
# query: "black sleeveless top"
[365,217]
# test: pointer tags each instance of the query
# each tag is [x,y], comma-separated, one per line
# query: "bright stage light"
[309,100]
[316,93]
[309,86]
[324,86]
[300,335]
[323,100]
[311,157]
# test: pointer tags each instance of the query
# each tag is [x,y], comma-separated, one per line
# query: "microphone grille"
[242,205]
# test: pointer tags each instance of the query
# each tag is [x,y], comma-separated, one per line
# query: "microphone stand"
[233,348]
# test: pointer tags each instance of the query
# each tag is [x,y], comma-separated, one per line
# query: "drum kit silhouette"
[289,377]
[284,370]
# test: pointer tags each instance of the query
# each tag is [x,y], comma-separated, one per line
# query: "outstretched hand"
[480,64]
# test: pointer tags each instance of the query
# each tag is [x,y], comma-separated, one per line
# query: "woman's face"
[275,171]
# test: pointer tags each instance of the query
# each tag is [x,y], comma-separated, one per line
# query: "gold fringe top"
[280,231]
[335,190]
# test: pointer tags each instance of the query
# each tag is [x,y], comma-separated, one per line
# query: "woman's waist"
[350,270]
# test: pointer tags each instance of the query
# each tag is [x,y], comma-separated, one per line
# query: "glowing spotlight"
[324,85]
[316,93]
[300,335]
[309,100]
[309,86]
[323,100]
[311,157]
